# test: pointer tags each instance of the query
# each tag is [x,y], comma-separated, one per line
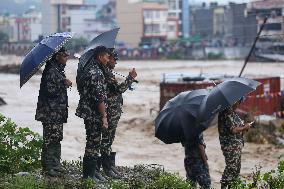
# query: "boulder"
[2,102]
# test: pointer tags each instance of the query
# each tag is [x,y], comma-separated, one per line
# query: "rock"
[22,174]
[2,102]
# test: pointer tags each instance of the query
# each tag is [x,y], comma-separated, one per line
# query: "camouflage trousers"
[232,153]
[197,172]
[52,133]
[109,134]
[93,137]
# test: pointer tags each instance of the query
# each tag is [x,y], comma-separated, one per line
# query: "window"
[172,5]
[157,15]
[171,28]
[273,26]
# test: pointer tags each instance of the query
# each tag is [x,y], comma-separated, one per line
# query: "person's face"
[112,62]
[62,58]
[104,58]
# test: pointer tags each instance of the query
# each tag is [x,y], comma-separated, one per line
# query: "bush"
[20,148]
[273,179]
[170,181]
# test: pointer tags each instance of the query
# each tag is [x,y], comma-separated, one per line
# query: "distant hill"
[18,7]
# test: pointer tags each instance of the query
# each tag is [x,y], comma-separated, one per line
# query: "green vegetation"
[20,151]
[19,148]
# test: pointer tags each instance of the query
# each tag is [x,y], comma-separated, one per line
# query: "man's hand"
[247,126]
[105,123]
[133,73]
[67,82]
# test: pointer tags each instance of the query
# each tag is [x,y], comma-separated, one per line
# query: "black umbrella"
[106,39]
[224,95]
[177,120]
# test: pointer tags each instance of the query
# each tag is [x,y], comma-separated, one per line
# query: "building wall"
[49,15]
[272,8]
[35,21]
[130,21]
[155,23]
[201,20]
[219,22]
[78,22]
[172,29]
[174,13]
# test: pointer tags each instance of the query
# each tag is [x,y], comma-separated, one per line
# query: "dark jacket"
[52,106]
[92,90]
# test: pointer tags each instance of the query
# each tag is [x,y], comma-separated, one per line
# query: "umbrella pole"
[253,46]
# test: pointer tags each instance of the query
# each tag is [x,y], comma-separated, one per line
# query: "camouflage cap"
[113,53]
[63,51]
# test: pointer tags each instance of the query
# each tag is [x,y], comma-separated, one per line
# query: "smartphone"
[251,122]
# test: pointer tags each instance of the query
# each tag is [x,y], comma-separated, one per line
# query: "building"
[241,28]
[130,20]
[55,12]
[22,28]
[219,21]
[35,23]
[201,19]
[85,20]
[178,18]
[274,28]
[155,17]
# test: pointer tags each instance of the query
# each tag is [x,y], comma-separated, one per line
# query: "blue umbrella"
[40,54]
[106,39]
[225,95]
[177,120]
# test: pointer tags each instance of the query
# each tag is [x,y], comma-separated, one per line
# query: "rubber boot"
[112,163]
[224,186]
[57,153]
[50,161]
[106,164]
[91,168]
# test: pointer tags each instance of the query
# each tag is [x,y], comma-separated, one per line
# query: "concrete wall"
[130,21]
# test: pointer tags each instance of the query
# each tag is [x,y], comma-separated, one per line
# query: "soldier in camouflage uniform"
[52,111]
[195,163]
[231,129]
[92,108]
[114,110]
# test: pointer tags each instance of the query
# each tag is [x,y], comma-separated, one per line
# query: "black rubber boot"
[57,154]
[106,164]
[91,168]
[112,163]
[50,161]
[224,186]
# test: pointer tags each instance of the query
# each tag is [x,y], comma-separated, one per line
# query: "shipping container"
[266,100]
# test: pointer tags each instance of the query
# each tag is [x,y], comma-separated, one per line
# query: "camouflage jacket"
[92,90]
[227,120]
[52,106]
[115,90]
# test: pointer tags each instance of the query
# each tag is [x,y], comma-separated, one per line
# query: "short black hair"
[100,50]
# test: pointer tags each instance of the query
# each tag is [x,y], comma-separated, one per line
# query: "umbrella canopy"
[40,54]
[177,120]
[106,39]
[224,95]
